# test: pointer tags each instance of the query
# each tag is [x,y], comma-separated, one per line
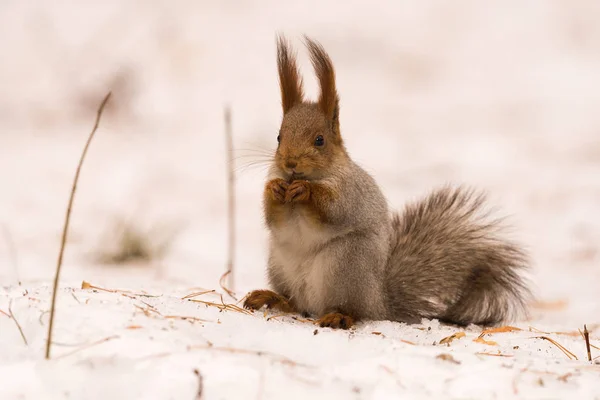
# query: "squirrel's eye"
[278,138]
[319,141]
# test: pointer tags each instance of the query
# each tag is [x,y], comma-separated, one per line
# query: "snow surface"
[502,95]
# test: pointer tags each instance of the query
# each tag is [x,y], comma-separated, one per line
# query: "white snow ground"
[503,95]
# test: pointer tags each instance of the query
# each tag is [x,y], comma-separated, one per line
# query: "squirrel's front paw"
[335,321]
[259,298]
[298,191]
[277,189]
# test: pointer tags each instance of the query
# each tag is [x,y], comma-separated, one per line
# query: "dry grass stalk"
[4,313]
[230,201]
[87,346]
[586,336]
[66,226]
[196,294]
[222,284]
[87,285]
[561,347]
[150,311]
[494,354]
[223,306]
[449,339]
[12,316]
[571,333]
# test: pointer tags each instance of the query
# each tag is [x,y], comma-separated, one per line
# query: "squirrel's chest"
[302,262]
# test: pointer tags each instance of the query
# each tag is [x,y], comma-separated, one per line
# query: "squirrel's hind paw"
[259,298]
[335,321]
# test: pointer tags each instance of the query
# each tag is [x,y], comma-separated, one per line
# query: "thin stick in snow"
[66,226]
[200,384]
[586,336]
[230,200]
[12,316]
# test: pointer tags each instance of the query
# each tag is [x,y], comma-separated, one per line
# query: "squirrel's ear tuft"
[290,81]
[328,99]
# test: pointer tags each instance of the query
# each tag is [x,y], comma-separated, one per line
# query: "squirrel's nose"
[291,164]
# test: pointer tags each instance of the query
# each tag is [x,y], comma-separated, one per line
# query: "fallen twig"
[12,316]
[66,225]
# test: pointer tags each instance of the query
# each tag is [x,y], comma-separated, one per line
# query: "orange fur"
[290,82]
[259,298]
[274,201]
[328,99]
[336,321]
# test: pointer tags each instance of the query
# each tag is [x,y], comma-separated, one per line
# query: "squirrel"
[336,252]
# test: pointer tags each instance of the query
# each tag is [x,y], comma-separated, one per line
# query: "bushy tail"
[448,261]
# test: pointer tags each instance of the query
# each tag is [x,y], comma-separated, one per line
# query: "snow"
[502,95]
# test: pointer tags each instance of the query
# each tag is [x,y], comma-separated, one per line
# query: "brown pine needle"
[561,347]
[87,346]
[408,342]
[449,339]
[66,226]
[501,329]
[196,294]
[12,316]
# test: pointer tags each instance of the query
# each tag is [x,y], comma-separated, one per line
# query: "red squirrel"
[337,252]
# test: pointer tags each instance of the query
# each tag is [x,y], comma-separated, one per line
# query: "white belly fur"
[301,263]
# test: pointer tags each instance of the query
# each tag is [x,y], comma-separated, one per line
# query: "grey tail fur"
[448,261]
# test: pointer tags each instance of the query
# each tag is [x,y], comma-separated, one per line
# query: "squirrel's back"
[448,261]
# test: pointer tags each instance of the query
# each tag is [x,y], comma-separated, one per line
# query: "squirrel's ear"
[328,99]
[290,81]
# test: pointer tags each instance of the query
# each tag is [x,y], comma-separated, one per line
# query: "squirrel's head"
[309,139]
